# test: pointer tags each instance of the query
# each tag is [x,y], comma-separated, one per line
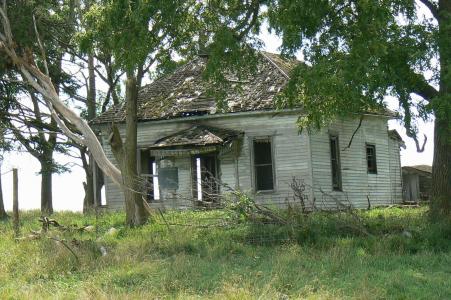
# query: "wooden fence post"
[15,202]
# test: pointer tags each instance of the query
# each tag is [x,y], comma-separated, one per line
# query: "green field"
[396,254]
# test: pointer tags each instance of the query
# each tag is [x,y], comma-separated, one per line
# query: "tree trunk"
[46,187]
[100,181]
[441,166]
[91,93]
[3,215]
[88,185]
[125,154]
[135,211]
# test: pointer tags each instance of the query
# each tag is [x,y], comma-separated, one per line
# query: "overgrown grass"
[403,257]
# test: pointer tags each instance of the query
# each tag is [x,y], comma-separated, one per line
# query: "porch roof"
[197,136]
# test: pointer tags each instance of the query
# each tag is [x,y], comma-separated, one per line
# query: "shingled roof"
[186,93]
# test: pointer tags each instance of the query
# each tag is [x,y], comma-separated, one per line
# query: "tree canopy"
[357,52]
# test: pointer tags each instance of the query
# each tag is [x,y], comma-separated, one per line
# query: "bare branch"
[44,57]
[417,144]
[354,133]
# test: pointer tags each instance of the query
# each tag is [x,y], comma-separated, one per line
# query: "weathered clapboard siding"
[113,193]
[295,155]
[395,171]
[291,154]
[357,184]
[291,157]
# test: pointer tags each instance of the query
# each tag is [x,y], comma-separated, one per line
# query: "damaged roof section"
[197,136]
[186,93]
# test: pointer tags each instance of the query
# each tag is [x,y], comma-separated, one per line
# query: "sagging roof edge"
[224,115]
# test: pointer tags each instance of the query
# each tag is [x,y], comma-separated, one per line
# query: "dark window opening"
[193,113]
[263,165]
[205,178]
[371,158]
[149,174]
[335,162]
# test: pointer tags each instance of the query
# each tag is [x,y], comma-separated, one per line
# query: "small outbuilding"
[416,183]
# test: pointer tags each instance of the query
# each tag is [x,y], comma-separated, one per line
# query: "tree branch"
[43,84]
[421,87]
[44,58]
[354,133]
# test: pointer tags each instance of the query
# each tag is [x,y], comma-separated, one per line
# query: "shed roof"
[418,169]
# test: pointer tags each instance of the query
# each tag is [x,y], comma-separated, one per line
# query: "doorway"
[205,178]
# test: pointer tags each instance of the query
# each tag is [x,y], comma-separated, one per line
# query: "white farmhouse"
[194,148]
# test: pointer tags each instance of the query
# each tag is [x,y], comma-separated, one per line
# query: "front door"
[205,178]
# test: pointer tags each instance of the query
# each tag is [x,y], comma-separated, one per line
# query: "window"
[263,165]
[335,162]
[371,158]
[148,170]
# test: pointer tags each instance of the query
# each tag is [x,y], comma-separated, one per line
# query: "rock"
[89,228]
[103,250]
[283,297]
[112,232]
[406,234]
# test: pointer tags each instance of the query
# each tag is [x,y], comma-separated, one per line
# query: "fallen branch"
[67,247]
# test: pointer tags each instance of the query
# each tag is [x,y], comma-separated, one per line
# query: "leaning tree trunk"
[441,166]
[3,214]
[43,84]
[46,186]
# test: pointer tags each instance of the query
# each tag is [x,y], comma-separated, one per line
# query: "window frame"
[270,139]
[339,186]
[373,146]
[145,163]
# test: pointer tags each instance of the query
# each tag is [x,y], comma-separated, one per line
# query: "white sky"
[68,191]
